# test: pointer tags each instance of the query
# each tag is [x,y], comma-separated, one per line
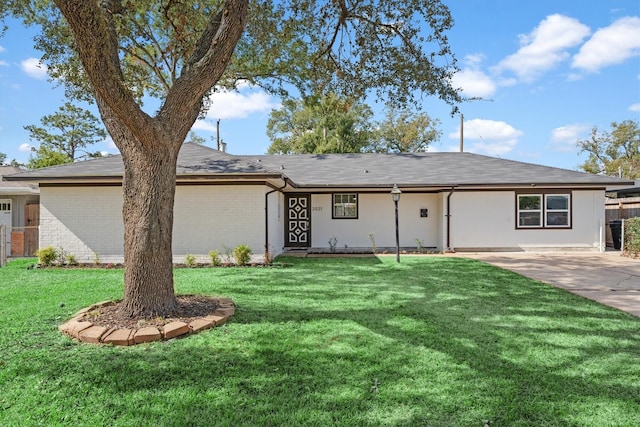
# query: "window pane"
[345,206]
[529,219]
[557,219]
[559,202]
[529,202]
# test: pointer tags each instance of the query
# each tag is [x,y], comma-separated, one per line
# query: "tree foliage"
[65,136]
[118,51]
[3,157]
[326,124]
[329,124]
[404,131]
[615,153]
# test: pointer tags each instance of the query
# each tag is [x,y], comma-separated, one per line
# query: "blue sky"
[549,70]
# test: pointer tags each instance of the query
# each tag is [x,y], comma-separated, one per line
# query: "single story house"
[19,212]
[325,202]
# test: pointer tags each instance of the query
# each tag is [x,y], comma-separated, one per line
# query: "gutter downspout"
[449,248]
[266,213]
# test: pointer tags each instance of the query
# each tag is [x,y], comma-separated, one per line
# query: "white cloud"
[242,103]
[564,138]
[34,68]
[472,80]
[610,45]
[204,126]
[544,47]
[4,63]
[2,49]
[635,108]
[491,137]
[25,147]
[109,143]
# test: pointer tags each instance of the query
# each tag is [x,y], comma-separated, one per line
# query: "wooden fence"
[624,208]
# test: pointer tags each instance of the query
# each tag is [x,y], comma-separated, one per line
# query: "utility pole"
[461,132]
[218,133]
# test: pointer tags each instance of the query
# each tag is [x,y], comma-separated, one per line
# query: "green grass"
[434,341]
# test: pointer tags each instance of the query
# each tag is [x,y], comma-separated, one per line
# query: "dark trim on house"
[543,193]
[333,212]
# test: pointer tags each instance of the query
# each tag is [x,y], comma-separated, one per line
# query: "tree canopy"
[325,124]
[330,124]
[404,131]
[119,51]
[615,153]
[64,136]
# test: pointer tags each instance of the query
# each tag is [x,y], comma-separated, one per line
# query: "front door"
[298,228]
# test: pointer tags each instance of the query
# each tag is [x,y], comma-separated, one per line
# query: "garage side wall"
[486,220]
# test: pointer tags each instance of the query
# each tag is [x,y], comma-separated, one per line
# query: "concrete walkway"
[606,277]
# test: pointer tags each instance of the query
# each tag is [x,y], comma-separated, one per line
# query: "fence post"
[3,245]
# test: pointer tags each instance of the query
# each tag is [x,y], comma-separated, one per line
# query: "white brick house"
[457,201]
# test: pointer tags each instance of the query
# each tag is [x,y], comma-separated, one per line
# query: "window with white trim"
[529,210]
[551,210]
[345,205]
[556,210]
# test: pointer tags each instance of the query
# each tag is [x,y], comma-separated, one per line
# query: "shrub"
[215,258]
[46,256]
[632,236]
[228,253]
[242,254]
[190,260]
[71,259]
[372,238]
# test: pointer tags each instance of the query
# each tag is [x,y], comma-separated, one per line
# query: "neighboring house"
[19,212]
[456,201]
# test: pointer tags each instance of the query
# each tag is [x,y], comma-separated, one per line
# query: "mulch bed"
[190,307]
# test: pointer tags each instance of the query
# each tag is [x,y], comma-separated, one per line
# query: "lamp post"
[395,195]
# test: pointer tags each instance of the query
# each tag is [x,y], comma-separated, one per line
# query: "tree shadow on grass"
[363,342]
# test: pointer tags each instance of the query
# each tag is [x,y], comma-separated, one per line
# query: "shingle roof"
[343,170]
[15,188]
[193,160]
[420,169]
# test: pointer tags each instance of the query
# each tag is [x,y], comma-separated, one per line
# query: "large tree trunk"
[148,195]
[148,186]
[149,145]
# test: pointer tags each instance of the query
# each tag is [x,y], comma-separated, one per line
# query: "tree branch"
[205,67]
[96,42]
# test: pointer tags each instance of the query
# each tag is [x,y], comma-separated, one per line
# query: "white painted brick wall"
[86,221]
[210,217]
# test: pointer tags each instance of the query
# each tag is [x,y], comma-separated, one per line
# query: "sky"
[547,71]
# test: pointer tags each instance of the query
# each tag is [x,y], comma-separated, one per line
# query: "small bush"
[632,236]
[214,256]
[374,247]
[228,254]
[47,256]
[190,260]
[71,259]
[242,254]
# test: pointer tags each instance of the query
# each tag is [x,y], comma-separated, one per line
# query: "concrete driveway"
[606,277]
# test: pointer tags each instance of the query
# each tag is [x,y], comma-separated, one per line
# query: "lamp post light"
[395,195]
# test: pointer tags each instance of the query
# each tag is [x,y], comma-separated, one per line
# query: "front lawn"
[433,341]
